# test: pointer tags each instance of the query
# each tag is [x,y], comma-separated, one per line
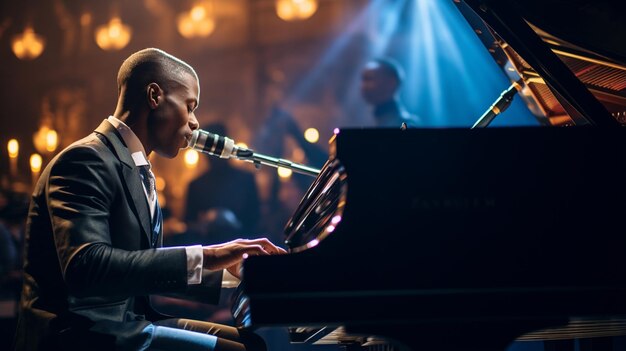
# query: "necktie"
[148,181]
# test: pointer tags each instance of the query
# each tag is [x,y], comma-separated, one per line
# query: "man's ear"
[154,95]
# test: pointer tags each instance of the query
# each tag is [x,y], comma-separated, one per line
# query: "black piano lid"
[571,55]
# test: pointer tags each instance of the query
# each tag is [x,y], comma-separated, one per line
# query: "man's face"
[376,85]
[173,120]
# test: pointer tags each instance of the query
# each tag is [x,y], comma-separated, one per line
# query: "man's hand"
[230,255]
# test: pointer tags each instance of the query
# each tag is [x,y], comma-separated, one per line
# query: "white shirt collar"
[137,151]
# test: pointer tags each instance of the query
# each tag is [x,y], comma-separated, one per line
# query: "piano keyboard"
[576,329]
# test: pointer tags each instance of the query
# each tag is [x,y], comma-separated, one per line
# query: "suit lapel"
[132,178]
[135,189]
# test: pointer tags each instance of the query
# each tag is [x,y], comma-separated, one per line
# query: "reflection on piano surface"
[469,239]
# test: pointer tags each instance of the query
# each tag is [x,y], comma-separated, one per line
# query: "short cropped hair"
[147,66]
[391,68]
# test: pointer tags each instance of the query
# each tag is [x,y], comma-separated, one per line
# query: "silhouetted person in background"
[213,226]
[380,81]
[279,126]
[13,210]
[224,187]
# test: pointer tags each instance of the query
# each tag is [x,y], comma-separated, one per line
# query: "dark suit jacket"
[89,267]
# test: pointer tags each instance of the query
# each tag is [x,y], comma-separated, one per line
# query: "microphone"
[213,144]
[501,104]
[223,147]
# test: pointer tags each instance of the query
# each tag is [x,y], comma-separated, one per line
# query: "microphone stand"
[501,104]
[260,159]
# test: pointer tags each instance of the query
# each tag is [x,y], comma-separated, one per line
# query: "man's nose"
[193,122]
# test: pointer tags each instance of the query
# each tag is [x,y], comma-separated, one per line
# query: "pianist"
[94,231]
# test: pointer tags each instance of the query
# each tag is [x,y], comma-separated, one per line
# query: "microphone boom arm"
[223,147]
[501,104]
[257,158]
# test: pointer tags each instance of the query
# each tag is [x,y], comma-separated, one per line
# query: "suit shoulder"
[87,151]
[90,145]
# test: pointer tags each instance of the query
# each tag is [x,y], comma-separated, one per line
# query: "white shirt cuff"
[195,259]
[194,264]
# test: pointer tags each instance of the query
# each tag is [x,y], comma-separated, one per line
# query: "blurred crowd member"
[223,186]
[213,226]
[13,210]
[380,81]
[283,196]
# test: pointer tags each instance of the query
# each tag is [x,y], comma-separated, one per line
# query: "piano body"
[459,239]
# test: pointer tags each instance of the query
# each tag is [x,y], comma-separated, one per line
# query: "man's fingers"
[274,250]
[255,250]
[267,246]
[243,248]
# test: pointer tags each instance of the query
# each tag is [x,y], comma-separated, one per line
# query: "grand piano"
[469,239]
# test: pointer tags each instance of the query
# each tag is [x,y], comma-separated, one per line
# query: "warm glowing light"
[114,35]
[35,163]
[45,139]
[197,13]
[198,22]
[312,135]
[191,158]
[242,145]
[330,228]
[13,147]
[28,45]
[335,220]
[336,131]
[284,172]
[159,183]
[51,140]
[294,10]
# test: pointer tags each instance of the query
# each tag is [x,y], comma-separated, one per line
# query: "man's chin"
[175,153]
[168,154]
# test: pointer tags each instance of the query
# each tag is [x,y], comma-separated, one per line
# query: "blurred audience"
[224,187]
[284,195]
[13,211]
[213,226]
[279,126]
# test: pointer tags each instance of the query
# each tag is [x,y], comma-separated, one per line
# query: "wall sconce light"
[198,22]
[45,139]
[28,45]
[13,146]
[114,35]
[295,10]
[35,163]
